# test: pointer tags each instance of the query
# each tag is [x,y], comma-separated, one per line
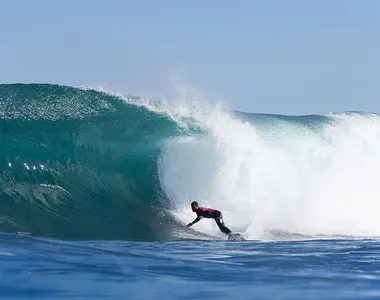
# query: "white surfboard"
[235,236]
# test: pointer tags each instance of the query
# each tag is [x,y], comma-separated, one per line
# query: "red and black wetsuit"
[205,212]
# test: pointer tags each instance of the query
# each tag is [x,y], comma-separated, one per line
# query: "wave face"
[87,164]
[78,163]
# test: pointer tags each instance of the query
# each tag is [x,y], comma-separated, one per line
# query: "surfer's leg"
[219,221]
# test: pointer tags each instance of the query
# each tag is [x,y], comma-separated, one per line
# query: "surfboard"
[235,236]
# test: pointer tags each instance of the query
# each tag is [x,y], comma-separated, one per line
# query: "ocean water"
[95,190]
[55,269]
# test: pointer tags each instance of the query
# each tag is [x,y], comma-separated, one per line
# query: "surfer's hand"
[188,225]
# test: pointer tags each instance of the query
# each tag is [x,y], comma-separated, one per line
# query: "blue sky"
[289,57]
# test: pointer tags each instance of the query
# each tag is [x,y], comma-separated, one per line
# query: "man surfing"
[204,212]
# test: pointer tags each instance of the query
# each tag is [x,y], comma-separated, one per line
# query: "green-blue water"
[95,191]
[79,164]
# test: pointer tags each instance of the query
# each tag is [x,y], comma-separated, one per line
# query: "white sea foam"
[311,183]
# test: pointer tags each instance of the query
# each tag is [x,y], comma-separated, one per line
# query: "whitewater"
[96,186]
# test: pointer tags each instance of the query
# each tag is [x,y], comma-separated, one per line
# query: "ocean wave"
[90,164]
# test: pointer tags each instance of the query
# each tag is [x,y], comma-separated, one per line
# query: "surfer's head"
[194,205]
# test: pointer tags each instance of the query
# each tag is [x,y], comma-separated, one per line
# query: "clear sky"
[289,57]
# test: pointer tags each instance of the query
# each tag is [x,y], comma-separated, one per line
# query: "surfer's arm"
[195,221]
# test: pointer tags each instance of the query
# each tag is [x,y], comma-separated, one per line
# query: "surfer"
[205,212]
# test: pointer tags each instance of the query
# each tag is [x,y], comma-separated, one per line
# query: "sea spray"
[321,178]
